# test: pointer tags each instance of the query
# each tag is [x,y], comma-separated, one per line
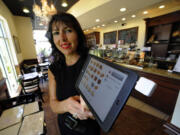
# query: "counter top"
[153,70]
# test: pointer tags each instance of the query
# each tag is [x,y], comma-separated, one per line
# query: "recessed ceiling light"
[123,19]
[123,9]
[25,10]
[97,20]
[115,21]
[41,24]
[103,25]
[145,12]
[133,16]
[162,6]
[64,3]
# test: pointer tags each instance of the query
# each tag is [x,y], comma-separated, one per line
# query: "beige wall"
[22,28]
[140,23]
[6,14]
[25,35]
[135,23]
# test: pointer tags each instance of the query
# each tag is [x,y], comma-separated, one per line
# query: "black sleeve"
[53,68]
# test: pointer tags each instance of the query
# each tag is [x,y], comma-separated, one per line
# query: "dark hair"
[72,22]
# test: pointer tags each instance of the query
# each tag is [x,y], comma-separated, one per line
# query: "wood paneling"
[132,121]
[165,96]
[164,19]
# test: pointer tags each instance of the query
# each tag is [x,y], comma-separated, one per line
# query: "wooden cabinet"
[165,95]
[93,39]
[163,35]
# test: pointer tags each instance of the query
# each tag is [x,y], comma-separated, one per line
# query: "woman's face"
[65,38]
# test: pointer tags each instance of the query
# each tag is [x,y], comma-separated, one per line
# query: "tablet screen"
[105,87]
[101,84]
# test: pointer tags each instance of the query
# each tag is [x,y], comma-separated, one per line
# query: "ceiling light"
[145,12]
[162,6]
[123,19]
[44,11]
[64,3]
[41,24]
[25,10]
[103,25]
[133,16]
[123,9]
[115,21]
[97,20]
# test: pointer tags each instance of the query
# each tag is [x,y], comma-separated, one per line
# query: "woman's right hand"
[73,106]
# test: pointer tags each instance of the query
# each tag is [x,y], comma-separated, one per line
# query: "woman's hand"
[73,106]
[85,108]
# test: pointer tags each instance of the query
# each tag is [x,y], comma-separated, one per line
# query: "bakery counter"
[153,70]
[168,86]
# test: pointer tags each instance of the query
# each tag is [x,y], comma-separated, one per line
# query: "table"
[32,124]
[11,120]
[30,75]
[132,121]
[12,130]
[44,64]
[11,116]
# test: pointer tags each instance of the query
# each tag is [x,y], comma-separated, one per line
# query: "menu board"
[128,35]
[110,37]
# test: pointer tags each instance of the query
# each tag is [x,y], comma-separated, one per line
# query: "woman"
[69,54]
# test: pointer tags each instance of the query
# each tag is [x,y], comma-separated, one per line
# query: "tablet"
[105,87]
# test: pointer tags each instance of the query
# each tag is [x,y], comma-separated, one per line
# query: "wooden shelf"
[174,52]
[163,29]
[175,44]
[157,43]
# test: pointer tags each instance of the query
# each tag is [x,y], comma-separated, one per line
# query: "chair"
[28,68]
[44,72]
[31,86]
[43,68]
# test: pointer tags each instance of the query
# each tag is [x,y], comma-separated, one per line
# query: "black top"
[66,77]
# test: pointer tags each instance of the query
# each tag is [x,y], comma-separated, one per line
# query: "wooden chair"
[32,86]
[43,69]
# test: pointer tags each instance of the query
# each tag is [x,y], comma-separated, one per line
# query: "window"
[7,58]
[43,47]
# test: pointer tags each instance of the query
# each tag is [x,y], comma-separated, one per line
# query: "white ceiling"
[87,11]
